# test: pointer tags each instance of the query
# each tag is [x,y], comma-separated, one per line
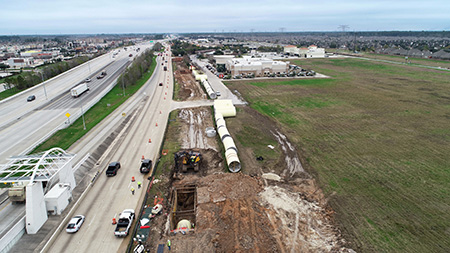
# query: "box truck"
[77,91]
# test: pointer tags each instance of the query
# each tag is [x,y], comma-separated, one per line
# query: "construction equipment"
[188,160]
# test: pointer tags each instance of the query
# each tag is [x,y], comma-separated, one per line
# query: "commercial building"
[17,63]
[309,52]
[256,66]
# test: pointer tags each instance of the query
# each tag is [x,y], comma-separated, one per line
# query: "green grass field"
[64,138]
[377,138]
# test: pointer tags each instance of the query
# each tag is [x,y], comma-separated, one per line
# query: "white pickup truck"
[124,224]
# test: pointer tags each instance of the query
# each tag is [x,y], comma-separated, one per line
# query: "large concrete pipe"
[234,165]
[211,93]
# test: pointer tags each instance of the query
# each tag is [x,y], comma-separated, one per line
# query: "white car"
[75,224]
[87,80]
[218,93]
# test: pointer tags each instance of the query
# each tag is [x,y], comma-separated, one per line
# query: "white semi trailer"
[77,91]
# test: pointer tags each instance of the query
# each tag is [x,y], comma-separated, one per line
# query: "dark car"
[31,98]
[112,169]
[146,166]
[160,84]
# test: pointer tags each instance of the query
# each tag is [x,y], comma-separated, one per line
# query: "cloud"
[100,16]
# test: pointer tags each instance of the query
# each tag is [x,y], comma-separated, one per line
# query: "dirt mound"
[189,88]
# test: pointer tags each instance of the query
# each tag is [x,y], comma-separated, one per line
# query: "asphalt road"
[24,124]
[106,198]
[217,84]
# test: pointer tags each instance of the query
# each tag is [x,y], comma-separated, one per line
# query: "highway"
[24,124]
[106,198]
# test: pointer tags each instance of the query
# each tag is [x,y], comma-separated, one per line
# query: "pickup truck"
[124,224]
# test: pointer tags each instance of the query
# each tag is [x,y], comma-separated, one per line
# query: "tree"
[3,66]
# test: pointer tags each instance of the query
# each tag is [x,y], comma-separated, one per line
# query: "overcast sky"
[178,16]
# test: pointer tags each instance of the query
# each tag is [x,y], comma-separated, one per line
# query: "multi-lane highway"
[23,124]
[110,195]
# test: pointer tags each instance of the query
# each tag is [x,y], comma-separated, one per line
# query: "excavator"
[189,160]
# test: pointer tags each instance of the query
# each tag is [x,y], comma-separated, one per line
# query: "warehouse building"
[255,66]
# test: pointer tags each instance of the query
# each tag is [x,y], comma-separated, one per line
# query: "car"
[160,84]
[112,169]
[146,166]
[31,98]
[87,80]
[75,224]
[218,93]
[131,55]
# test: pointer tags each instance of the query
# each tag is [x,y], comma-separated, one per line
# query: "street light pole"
[82,116]
[123,86]
[45,91]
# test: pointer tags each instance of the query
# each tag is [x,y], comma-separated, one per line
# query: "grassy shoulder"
[376,137]
[170,146]
[64,138]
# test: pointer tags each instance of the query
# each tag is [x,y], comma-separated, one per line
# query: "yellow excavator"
[189,160]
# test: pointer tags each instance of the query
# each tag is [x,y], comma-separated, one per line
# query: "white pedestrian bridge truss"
[37,167]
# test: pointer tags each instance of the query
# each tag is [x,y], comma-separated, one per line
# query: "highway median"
[127,85]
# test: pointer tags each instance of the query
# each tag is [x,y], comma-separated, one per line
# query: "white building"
[18,63]
[256,66]
[309,52]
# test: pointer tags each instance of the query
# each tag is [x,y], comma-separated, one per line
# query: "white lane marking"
[92,220]
[112,185]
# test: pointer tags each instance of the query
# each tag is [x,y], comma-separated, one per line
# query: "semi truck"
[80,89]
[17,194]
[124,224]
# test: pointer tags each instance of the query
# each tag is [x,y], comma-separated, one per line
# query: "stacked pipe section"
[199,76]
[234,165]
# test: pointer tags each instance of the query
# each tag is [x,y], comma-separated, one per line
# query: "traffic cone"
[156,124]
[143,157]
[160,112]
[132,179]
[114,222]
[149,140]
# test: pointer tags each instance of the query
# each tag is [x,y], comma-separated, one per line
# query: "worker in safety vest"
[139,184]
[132,190]
[169,243]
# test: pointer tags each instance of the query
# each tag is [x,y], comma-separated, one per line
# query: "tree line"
[140,65]
[27,79]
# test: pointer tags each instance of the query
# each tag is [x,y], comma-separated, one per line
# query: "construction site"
[271,204]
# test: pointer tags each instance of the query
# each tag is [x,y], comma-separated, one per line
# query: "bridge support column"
[36,212]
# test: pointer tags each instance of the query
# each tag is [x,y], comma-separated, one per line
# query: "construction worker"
[169,243]
[139,184]
[132,190]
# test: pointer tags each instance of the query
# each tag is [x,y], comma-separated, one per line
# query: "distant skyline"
[34,17]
